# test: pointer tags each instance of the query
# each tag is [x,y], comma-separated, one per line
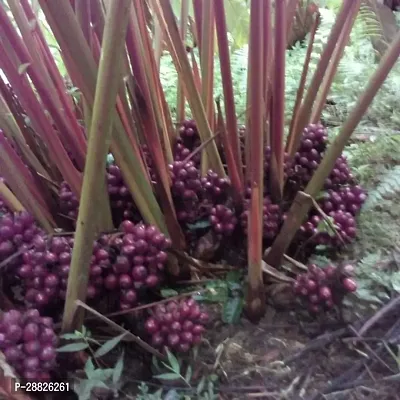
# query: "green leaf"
[102,375]
[84,389]
[234,276]
[70,336]
[119,366]
[173,362]
[232,310]
[89,368]
[201,385]
[169,376]
[199,225]
[172,395]
[23,67]
[85,331]
[188,375]
[110,159]
[109,345]
[168,292]
[73,347]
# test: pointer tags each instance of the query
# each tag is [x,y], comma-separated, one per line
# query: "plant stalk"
[300,207]
[98,145]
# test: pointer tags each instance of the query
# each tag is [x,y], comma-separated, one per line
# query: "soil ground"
[284,358]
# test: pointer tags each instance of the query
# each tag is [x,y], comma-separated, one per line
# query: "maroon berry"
[348,269]
[31,332]
[139,273]
[13,354]
[198,329]
[64,257]
[157,340]
[176,326]
[31,363]
[195,312]
[168,318]
[48,353]
[47,336]
[111,282]
[325,293]
[311,285]
[91,292]
[187,325]
[125,281]
[14,333]
[51,281]
[32,348]
[151,326]
[203,318]
[122,265]
[173,339]
[152,281]
[187,337]
[129,296]
[127,226]
[349,284]
[183,347]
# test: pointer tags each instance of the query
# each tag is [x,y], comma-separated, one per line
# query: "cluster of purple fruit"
[189,134]
[272,218]
[139,260]
[322,289]
[346,198]
[177,325]
[309,155]
[124,263]
[69,203]
[187,189]
[122,204]
[29,344]
[223,220]
[121,201]
[17,231]
[44,270]
[344,232]
[187,142]
[340,174]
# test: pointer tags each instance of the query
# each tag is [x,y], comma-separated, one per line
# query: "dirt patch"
[281,358]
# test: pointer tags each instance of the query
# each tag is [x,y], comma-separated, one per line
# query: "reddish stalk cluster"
[320,289]
[29,343]
[177,325]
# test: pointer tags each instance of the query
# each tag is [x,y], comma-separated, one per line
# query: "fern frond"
[389,188]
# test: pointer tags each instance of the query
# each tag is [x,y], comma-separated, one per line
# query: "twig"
[200,265]
[368,347]
[136,339]
[200,148]
[326,218]
[13,256]
[317,343]
[144,306]
[380,314]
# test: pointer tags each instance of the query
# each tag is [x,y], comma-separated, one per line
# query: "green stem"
[99,142]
